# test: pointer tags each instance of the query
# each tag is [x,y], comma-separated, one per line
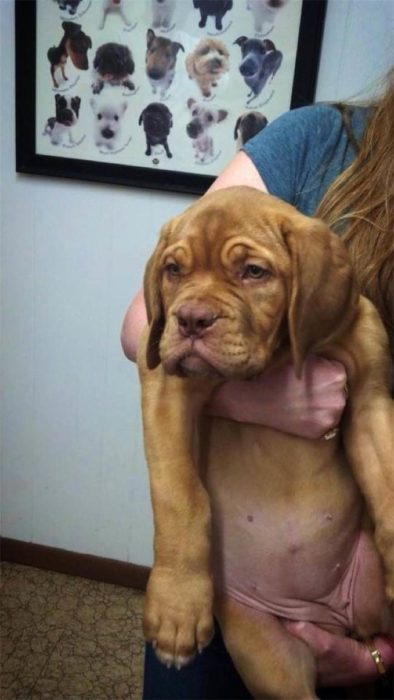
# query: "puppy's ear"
[150,35]
[176,46]
[141,117]
[191,102]
[154,301]
[93,104]
[241,41]
[322,294]
[237,123]
[222,114]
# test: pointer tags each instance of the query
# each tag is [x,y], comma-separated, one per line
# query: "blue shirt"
[299,154]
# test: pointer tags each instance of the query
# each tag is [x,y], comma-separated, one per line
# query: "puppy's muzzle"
[107,133]
[215,64]
[249,67]
[194,320]
[66,117]
[194,128]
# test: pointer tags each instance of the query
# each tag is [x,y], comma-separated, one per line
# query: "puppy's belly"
[285,541]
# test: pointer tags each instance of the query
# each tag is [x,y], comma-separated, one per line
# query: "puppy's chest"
[281,507]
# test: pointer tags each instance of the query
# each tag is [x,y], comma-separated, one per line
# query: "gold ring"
[377,657]
[330,434]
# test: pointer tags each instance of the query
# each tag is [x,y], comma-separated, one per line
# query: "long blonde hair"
[361,202]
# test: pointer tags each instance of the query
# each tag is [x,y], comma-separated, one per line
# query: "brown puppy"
[237,283]
[207,63]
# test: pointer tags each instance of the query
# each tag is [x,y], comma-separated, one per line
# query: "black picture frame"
[28,160]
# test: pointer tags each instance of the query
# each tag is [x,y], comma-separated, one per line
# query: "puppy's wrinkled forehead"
[234,214]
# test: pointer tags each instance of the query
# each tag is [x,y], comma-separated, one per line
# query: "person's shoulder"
[309,116]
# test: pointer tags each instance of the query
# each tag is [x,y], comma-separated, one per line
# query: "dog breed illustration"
[113,64]
[70,6]
[203,119]
[108,122]
[212,8]
[248,125]
[66,117]
[160,60]
[74,44]
[253,524]
[162,13]
[207,63]
[260,62]
[156,119]
[264,13]
[117,7]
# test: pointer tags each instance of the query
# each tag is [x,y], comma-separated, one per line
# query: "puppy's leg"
[368,426]
[203,20]
[271,662]
[128,84]
[218,22]
[179,599]
[148,147]
[55,83]
[103,19]
[166,148]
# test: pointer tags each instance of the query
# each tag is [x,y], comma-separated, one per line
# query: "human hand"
[343,660]
[308,407]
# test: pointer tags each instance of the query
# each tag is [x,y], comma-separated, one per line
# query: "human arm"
[343,660]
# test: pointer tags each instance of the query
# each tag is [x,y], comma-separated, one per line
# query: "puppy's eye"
[255,272]
[172,269]
[99,116]
[116,118]
[209,117]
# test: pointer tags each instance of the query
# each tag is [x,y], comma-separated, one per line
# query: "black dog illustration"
[157,121]
[215,8]
[113,64]
[260,61]
[74,44]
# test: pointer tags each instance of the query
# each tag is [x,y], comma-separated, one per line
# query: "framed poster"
[156,93]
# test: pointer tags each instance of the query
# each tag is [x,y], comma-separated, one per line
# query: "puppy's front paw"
[178,614]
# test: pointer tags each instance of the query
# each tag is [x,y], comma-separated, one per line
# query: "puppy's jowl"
[61,126]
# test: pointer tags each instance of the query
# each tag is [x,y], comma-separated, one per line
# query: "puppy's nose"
[194,320]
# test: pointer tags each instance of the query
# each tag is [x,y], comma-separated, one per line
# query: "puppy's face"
[253,54]
[211,57]
[113,61]
[108,118]
[161,54]
[157,120]
[236,278]
[67,109]
[202,118]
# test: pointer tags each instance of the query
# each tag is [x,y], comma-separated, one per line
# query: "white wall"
[73,472]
